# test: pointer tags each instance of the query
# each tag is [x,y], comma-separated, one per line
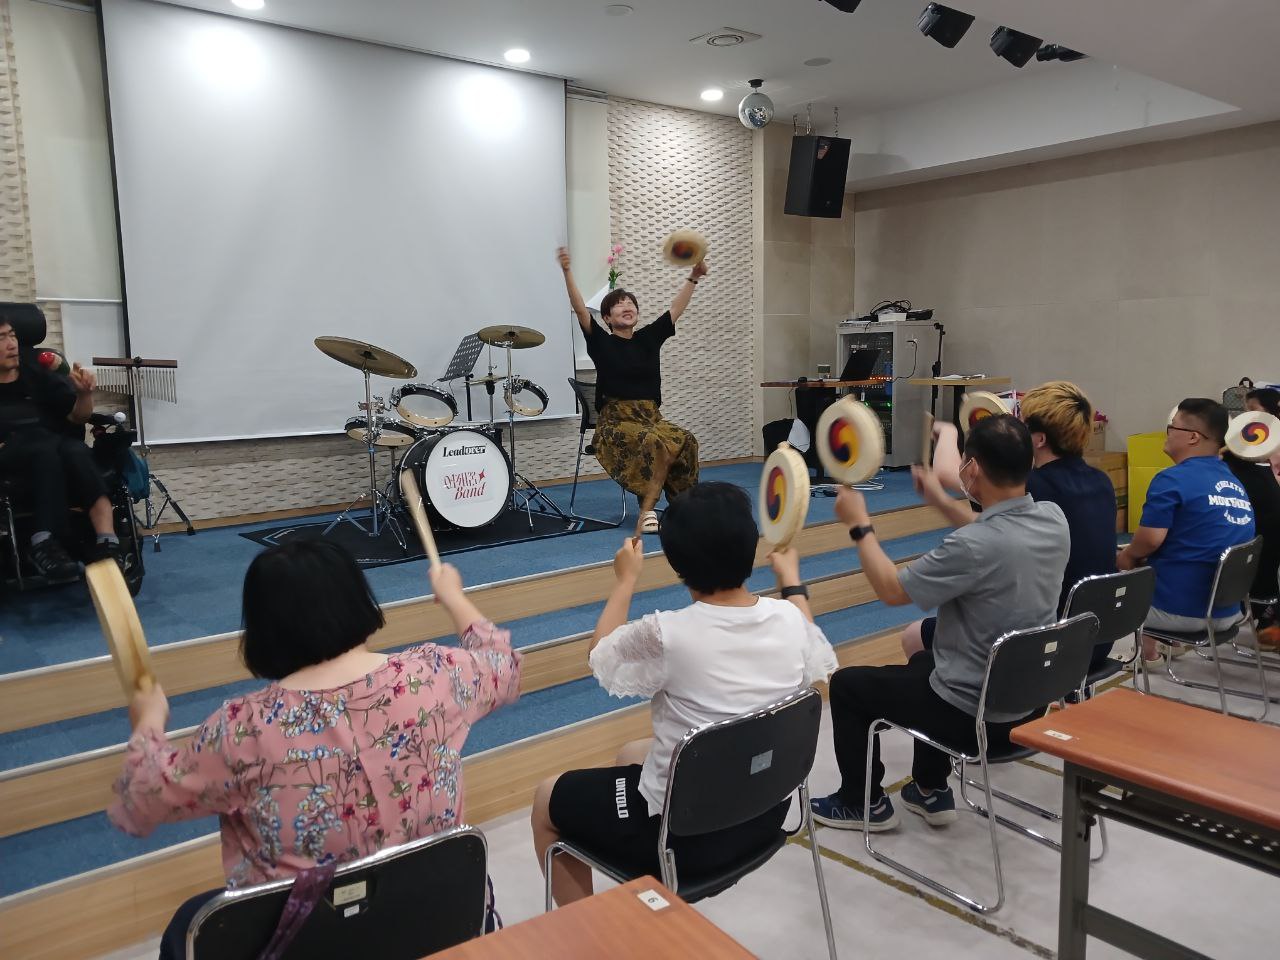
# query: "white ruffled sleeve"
[629,662]
[819,657]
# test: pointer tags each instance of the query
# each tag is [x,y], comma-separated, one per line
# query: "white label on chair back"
[350,893]
[1057,735]
[761,761]
[1051,646]
[1121,591]
[652,899]
[351,911]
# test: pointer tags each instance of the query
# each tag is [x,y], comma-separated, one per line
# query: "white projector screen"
[277,185]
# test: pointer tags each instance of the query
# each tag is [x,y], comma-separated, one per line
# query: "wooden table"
[1192,775]
[830,384]
[959,386]
[617,924]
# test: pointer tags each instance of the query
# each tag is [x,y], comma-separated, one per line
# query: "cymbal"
[365,356]
[491,378]
[518,338]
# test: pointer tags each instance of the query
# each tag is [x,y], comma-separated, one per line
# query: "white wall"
[587,173]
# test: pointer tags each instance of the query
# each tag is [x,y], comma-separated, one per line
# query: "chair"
[1121,602]
[1027,670]
[398,904]
[1231,583]
[724,774]
[586,394]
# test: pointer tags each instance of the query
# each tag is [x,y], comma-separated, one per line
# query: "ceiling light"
[943,24]
[712,94]
[756,110]
[1017,48]
[845,6]
[517,55]
[817,62]
[250,4]
[618,9]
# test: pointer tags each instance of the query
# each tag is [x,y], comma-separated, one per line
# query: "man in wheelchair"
[43,454]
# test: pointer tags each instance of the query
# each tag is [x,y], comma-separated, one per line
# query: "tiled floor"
[1211,905]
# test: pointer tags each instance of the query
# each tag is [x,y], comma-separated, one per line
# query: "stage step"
[129,901]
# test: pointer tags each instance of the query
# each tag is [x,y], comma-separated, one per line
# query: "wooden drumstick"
[413,497]
[926,442]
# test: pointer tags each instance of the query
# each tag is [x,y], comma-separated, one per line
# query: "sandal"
[649,522]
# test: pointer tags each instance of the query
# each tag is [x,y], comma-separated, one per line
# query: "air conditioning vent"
[727,37]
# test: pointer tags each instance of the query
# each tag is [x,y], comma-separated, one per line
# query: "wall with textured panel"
[17,279]
[669,169]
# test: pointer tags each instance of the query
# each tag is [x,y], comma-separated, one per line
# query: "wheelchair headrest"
[27,321]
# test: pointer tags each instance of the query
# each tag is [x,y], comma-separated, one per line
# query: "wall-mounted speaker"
[816,178]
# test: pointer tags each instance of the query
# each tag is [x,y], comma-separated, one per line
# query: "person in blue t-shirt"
[1195,510]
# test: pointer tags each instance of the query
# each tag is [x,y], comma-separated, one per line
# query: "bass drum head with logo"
[424,405]
[464,476]
[393,434]
[1254,436]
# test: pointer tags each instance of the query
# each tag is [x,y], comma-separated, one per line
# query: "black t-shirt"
[1088,500]
[1264,493]
[38,398]
[629,369]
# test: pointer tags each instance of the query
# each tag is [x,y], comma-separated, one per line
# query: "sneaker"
[50,560]
[649,521]
[938,808]
[833,812]
[105,550]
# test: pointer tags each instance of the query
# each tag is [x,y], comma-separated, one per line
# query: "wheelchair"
[123,473]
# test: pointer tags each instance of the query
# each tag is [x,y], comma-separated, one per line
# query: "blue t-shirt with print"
[1205,510]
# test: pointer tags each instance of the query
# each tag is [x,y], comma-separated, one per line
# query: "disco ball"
[756,110]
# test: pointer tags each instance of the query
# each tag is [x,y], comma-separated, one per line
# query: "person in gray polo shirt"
[1003,572]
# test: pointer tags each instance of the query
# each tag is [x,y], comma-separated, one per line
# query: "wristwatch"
[857,533]
[797,590]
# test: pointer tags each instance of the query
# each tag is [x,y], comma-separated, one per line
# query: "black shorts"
[927,628]
[603,810]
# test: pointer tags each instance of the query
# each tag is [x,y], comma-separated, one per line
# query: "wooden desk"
[614,924]
[1188,774]
[959,386]
[830,384]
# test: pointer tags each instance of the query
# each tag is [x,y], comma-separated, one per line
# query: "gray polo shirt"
[1002,572]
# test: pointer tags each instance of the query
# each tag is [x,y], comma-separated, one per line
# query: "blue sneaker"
[833,812]
[938,808]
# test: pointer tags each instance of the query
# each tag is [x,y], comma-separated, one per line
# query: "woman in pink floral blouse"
[346,750]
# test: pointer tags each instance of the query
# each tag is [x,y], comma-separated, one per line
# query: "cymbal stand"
[523,499]
[379,504]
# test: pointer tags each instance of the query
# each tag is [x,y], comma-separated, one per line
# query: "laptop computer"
[860,364]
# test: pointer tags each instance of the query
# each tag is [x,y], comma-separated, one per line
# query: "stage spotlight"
[943,24]
[845,6]
[1017,48]
[1056,51]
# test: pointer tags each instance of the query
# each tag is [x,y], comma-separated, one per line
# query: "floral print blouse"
[305,777]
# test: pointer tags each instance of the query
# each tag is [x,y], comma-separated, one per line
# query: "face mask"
[964,488]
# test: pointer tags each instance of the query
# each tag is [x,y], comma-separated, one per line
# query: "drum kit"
[465,477]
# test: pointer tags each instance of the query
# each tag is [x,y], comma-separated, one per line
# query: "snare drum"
[526,392]
[424,405]
[464,476]
[391,433]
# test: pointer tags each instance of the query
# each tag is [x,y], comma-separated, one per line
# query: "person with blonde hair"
[1060,419]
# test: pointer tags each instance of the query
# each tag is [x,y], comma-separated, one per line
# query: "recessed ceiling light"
[618,9]
[712,94]
[517,55]
[250,4]
[817,62]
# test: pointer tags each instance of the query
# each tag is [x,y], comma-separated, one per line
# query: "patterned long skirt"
[629,436]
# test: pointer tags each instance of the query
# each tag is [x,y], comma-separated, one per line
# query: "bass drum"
[464,476]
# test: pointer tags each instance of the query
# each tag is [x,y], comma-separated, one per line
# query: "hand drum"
[850,441]
[784,495]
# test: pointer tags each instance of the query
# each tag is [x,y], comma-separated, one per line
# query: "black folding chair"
[1121,602]
[1232,581]
[1028,670]
[586,394]
[724,774]
[401,903]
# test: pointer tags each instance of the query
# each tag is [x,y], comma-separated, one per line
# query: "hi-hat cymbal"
[518,338]
[365,356]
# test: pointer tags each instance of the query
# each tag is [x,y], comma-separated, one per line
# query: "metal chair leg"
[807,819]
[577,468]
[13,546]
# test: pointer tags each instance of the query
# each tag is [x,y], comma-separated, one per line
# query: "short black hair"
[615,297]
[709,536]
[1002,447]
[305,602]
[1267,398]
[1210,414]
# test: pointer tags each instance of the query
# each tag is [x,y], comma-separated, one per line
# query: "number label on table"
[1058,735]
[652,899]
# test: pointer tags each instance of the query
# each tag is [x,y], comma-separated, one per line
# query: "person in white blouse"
[728,652]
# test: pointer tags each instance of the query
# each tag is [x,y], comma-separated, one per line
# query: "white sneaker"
[649,522]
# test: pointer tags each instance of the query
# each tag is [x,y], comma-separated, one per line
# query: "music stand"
[463,364]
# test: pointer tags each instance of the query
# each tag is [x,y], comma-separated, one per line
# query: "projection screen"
[277,185]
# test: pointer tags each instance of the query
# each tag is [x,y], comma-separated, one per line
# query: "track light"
[943,24]
[1056,51]
[1017,48]
[845,6]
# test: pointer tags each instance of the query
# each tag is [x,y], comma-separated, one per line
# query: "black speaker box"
[816,179]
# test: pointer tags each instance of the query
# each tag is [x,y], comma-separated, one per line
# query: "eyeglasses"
[1170,427]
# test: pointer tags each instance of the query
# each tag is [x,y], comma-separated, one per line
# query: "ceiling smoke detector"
[726,37]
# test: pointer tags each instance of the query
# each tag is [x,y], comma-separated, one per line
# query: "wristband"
[798,590]
[857,533]
[692,280]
